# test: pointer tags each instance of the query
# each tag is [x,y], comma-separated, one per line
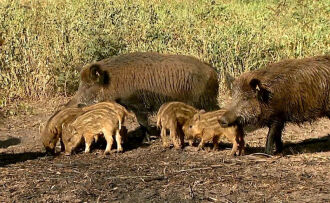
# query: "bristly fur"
[299,91]
[295,90]
[145,81]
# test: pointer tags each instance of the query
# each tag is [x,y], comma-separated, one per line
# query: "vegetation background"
[42,42]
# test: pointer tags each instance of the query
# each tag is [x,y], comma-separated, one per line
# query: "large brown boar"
[205,126]
[52,131]
[172,116]
[295,90]
[89,126]
[142,82]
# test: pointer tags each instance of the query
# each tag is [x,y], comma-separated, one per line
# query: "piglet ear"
[263,94]
[197,117]
[98,75]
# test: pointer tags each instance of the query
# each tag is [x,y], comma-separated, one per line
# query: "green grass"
[44,41]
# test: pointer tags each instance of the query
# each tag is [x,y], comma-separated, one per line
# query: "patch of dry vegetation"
[42,42]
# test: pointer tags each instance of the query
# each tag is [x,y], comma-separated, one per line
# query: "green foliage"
[45,41]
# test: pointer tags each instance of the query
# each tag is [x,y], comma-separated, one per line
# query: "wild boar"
[52,131]
[295,90]
[142,82]
[172,116]
[119,109]
[205,126]
[89,126]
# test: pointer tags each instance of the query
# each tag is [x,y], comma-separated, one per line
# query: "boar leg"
[241,144]
[274,135]
[175,137]
[143,121]
[234,149]
[119,141]
[191,142]
[215,143]
[164,138]
[108,137]
[88,142]
[180,133]
[201,144]
[62,145]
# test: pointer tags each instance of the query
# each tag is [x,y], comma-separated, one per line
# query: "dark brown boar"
[172,116]
[205,126]
[295,90]
[142,82]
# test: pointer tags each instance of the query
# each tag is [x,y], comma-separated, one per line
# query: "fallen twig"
[143,178]
[261,154]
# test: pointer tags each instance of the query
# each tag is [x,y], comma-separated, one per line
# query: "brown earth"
[148,173]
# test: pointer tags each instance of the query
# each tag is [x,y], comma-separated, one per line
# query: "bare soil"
[146,172]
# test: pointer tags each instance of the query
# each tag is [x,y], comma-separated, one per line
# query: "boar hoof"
[177,147]
[166,145]
[67,153]
[106,152]
[233,154]
[120,150]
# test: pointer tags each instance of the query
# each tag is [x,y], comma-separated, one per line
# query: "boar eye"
[190,126]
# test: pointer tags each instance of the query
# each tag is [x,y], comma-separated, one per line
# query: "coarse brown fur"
[119,109]
[52,131]
[89,126]
[205,126]
[295,90]
[142,82]
[172,116]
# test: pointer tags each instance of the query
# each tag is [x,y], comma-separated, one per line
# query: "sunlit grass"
[44,41]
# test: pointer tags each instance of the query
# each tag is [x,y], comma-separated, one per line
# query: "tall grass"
[45,40]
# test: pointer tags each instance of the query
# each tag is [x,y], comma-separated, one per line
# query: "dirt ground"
[146,172]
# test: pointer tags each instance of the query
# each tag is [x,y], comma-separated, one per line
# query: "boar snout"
[50,151]
[227,119]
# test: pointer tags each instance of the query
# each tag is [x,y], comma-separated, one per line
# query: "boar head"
[192,127]
[71,139]
[49,138]
[93,81]
[250,98]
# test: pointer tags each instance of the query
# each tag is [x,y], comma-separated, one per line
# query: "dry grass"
[42,42]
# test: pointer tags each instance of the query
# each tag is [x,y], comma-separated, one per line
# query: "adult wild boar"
[295,90]
[144,81]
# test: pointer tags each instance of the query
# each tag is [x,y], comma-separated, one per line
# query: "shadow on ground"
[312,145]
[9,142]
[6,159]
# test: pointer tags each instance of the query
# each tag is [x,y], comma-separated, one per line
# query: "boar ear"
[229,79]
[98,75]
[197,117]
[262,93]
